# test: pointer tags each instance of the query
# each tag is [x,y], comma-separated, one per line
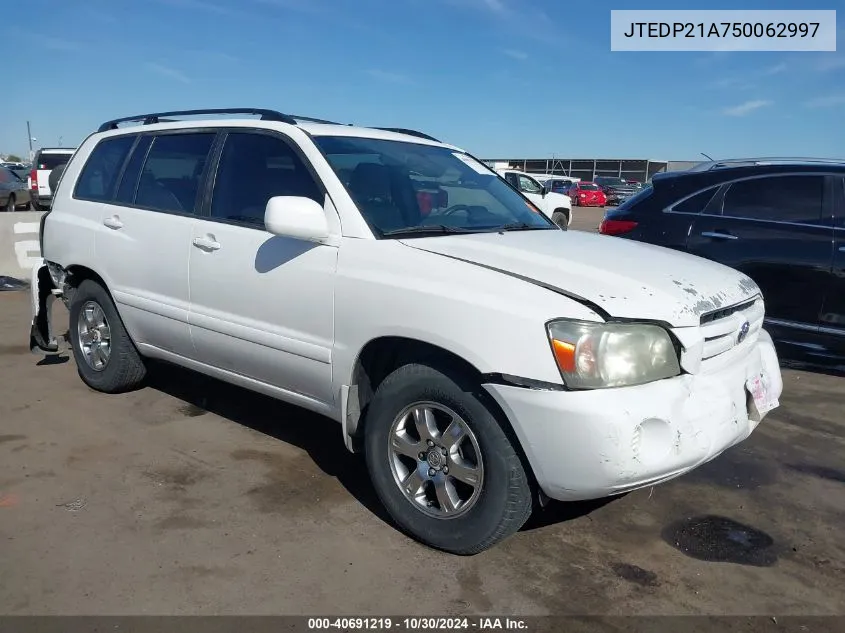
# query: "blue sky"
[501,78]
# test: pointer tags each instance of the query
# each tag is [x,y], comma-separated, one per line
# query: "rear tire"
[483,499]
[561,218]
[105,356]
[10,204]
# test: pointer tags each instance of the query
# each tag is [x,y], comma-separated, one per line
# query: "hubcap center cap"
[435,458]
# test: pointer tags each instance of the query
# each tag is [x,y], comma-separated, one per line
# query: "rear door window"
[98,179]
[795,199]
[129,180]
[175,167]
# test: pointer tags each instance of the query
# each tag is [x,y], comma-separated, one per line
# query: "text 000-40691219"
[725,30]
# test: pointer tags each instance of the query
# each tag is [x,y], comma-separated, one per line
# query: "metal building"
[639,169]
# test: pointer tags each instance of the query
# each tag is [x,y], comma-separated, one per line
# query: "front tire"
[105,356]
[10,204]
[441,462]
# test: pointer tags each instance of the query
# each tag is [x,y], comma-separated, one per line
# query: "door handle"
[719,236]
[113,222]
[842,249]
[206,243]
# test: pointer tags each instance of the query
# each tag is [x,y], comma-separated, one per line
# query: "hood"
[618,277]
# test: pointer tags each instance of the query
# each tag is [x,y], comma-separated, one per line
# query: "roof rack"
[265,115]
[156,117]
[402,130]
[739,162]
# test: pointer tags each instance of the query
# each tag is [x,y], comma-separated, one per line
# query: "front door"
[778,231]
[262,305]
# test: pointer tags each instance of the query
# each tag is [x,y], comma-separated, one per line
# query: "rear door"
[146,236]
[777,229]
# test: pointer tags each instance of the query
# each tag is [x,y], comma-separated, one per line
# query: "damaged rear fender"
[43,294]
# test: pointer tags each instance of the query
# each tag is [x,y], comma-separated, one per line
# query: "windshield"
[588,187]
[402,187]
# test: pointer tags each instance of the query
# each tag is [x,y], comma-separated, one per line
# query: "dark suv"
[780,221]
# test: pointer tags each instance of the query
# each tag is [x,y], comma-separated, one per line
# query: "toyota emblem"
[743,332]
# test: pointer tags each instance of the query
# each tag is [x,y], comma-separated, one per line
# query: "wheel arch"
[382,355]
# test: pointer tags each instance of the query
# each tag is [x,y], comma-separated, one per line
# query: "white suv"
[555,205]
[480,357]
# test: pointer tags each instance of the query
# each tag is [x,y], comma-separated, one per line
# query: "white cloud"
[520,55]
[167,71]
[389,77]
[746,108]
[830,101]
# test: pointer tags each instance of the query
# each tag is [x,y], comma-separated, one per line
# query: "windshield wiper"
[431,229]
[521,226]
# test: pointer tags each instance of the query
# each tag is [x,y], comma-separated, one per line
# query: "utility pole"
[29,138]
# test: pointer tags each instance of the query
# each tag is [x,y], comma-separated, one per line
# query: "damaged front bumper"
[594,444]
[49,282]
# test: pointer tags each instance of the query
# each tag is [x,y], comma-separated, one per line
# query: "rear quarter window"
[98,178]
[695,203]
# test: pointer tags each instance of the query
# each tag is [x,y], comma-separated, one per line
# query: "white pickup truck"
[555,205]
[480,357]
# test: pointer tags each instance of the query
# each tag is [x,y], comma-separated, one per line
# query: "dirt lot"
[191,497]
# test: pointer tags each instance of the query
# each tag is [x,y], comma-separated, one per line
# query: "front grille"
[725,329]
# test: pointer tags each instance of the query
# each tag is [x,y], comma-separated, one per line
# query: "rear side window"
[783,199]
[171,176]
[696,203]
[98,179]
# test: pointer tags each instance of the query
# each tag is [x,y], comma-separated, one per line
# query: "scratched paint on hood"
[626,279]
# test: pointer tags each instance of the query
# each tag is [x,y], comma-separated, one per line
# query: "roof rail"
[309,119]
[155,117]
[739,162]
[402,130]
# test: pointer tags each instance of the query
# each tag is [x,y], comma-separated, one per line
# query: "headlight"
[600,355]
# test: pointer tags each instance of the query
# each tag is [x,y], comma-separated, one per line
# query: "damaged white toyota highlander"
[482,359]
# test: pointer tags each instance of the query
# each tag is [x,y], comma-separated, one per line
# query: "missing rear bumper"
[47,284]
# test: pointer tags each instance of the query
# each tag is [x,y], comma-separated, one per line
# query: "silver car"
[13,192]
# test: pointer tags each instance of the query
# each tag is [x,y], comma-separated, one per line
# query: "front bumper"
[594,444]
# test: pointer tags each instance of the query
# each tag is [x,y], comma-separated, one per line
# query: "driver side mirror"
[296,217]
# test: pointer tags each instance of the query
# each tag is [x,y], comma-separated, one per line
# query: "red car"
[587,194]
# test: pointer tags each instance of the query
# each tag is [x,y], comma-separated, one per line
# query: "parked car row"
[780,221]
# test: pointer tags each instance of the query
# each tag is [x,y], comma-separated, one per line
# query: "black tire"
[504,502]
[124,370]
[10,204]
[561,218]
[55,175]
[36,206]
